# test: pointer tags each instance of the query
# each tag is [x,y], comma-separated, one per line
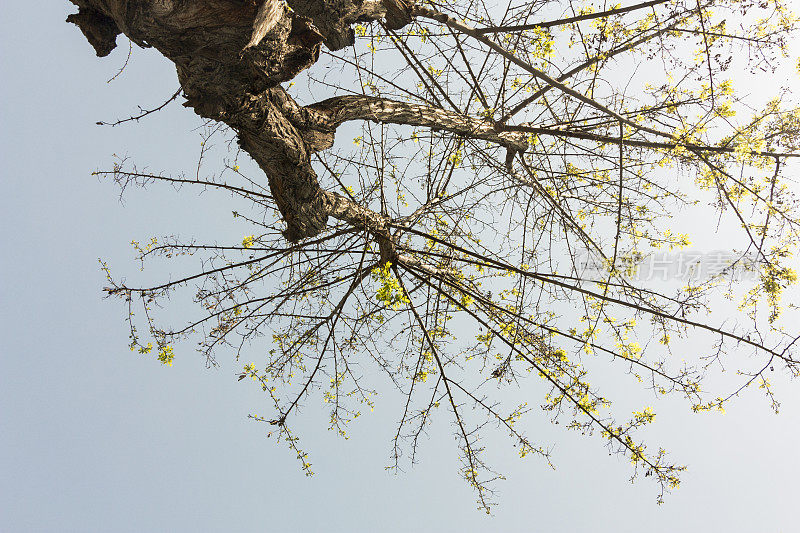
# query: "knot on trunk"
[101,31]
[386,246]
[305,219]
[398,13]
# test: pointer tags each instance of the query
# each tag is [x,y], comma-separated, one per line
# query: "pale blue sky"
[96,438]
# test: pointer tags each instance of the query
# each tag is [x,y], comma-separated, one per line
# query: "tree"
[499,150]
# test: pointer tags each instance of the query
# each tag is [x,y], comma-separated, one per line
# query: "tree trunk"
[231,56]
[230,65]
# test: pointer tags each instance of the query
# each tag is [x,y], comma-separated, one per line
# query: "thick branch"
[358,107]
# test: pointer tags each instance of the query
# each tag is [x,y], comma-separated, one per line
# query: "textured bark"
[101,31]
[269,14]
[357,107]
[231,56]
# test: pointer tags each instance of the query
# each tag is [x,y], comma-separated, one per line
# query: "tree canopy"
[461,196]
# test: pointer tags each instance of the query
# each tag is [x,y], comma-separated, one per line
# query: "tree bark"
[231,56]
[358,107]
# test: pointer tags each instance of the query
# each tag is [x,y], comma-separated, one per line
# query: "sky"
[94,437]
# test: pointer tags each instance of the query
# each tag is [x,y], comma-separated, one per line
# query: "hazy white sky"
[96,438]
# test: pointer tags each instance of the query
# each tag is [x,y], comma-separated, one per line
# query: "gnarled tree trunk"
[231,56]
